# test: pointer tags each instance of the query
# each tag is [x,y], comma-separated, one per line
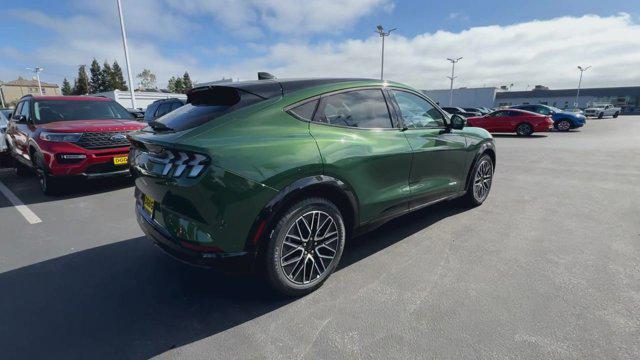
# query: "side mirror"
[138,115]
[458,122]
[19,118]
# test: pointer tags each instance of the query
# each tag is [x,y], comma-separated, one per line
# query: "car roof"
[68,98]
[279,87]
[522,111]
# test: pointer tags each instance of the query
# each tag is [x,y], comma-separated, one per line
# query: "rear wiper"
[158,126]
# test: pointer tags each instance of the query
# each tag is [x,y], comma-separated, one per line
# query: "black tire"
[600,116]
[471,198]
[563,125]
[21,170]
[616,115]
[48,184]
[280,275]
[524,129]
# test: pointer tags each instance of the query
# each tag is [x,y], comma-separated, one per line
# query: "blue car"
[562,120]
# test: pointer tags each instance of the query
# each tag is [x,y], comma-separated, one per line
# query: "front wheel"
[524,129]
[481,179]
[600,116]
[48,184]
[563,125]
[305,247]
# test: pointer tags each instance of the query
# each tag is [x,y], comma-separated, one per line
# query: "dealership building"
[628,98]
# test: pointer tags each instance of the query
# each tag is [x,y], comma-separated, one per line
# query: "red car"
[62,136]
[521,122]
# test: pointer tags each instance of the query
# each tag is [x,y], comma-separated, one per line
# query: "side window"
[25,109]
[164,108]
[416,111]
[18,109]
[542,110]
[500,113]
[175,105]
[305,111]
[515,113]
[365,109]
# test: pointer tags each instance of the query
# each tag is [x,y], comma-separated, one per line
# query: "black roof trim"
[272,88]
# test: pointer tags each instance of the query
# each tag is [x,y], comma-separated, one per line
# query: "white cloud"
[534,52]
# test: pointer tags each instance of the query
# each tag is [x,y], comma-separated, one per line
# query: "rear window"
[46,111]
[206,104]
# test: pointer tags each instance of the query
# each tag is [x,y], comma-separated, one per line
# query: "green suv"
[276,175]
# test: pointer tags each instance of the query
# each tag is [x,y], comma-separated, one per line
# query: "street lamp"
[453,70]
[126,54]
[383,34]
[38,70]
[582,70]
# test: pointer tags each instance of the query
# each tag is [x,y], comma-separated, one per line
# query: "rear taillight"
[169,163]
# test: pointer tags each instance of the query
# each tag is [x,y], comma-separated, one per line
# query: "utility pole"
[383,34]
[37,70]
[582,70]
[126,54]
[453,71]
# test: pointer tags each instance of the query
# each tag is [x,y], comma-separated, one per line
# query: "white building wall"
[465,97]
[143,98]
[562,102]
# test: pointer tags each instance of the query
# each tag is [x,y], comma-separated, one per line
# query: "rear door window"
[305,111]
[365,109]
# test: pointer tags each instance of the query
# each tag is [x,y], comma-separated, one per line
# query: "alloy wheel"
[482,180]
[309,247]
[564,125]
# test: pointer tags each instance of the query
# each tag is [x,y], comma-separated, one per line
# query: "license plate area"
[120,160]
[148,205]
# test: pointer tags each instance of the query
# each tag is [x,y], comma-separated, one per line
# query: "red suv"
[61,136]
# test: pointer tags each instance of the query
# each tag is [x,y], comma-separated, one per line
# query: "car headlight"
[60,137]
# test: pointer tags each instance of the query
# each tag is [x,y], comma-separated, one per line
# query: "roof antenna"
[263,75]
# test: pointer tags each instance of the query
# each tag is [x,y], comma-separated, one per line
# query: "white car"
[3,128]
[602,110]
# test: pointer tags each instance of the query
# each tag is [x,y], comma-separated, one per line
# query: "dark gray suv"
[161,107]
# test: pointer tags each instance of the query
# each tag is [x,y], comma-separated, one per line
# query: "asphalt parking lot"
[548,267]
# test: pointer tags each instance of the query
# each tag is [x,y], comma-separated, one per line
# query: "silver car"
[3,129]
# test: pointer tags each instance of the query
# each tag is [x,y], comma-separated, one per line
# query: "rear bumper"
[233,262]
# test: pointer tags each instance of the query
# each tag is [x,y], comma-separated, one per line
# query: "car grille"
[102,140]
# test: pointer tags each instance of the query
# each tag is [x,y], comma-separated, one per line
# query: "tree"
[66,87]
[147,79]
[117,79]
[106,77]
[81,86]
[95,84]
[175,85]
[186,82]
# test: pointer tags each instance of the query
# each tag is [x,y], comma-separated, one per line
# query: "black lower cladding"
[237,262]
[105,167]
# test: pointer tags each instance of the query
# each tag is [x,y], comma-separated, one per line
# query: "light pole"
[126,54]
[453,71]
[37,70]
[582,70]
[383,34]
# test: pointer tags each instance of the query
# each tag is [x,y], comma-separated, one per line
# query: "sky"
[501,42]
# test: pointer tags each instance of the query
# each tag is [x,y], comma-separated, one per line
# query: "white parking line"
[19,205]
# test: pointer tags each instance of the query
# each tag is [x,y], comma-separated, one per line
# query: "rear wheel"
[524,129]
[600,116]
[563,125]
[305,247]
[616,115]
[480,183]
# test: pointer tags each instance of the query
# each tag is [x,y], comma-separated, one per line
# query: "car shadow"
[129,300]
[532,136]
[27,187]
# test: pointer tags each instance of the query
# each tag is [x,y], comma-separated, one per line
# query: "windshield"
[555,109]
[46,111]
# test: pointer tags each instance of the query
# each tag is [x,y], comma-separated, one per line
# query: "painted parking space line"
[28,215]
